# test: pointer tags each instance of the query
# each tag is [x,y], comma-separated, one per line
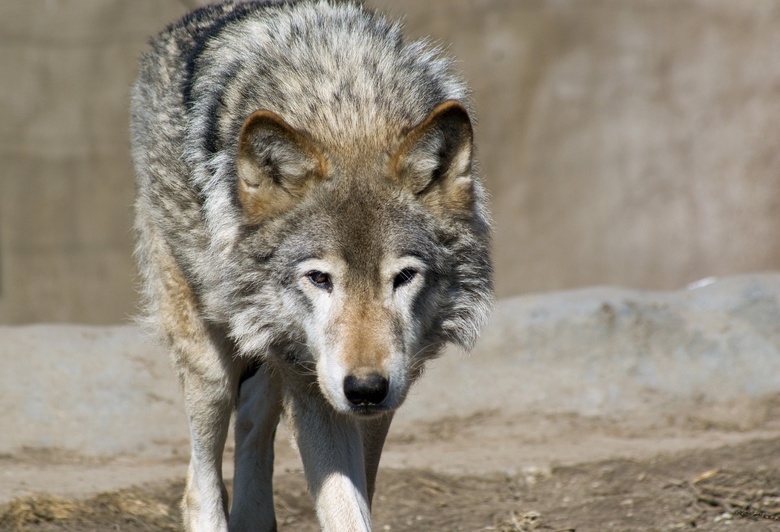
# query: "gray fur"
[345,78]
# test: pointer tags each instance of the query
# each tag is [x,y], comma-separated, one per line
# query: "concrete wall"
[632,143]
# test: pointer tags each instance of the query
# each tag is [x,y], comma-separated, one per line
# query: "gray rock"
[598,351]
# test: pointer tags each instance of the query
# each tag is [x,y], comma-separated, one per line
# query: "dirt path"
[726,488]
[482,472]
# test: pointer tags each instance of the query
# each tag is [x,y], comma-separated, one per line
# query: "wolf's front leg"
[208,396]
[374,432]
[331,448]
[257,415]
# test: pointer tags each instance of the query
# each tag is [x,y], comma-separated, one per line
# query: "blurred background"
[623,143]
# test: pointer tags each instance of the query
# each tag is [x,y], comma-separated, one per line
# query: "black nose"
[366,391]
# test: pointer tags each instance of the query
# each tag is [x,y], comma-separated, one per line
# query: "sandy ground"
[592,410]
[568,473]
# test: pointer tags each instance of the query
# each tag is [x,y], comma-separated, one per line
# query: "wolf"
[311,229]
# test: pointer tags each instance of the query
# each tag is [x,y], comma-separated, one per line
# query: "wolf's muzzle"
[370,390]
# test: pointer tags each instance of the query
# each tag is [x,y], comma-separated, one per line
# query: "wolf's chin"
[368,412]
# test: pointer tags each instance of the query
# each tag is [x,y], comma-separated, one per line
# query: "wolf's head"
[356,269]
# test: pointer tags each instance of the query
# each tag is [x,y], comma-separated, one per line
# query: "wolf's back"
[337,71]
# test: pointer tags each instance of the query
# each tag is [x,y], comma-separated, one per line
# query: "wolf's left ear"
[276,165]
[434,160]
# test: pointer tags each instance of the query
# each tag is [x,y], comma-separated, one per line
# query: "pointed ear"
[276,165]
[434,160]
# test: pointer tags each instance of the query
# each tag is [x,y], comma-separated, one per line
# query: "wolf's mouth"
[366,411]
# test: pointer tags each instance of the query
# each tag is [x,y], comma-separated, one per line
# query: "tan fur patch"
[179,317]
[178,305]
[262,203]
[366,338]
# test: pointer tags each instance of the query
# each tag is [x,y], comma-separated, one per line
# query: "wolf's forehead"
[371,226]
[365,227]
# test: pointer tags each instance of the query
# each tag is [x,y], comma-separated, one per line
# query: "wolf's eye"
[320,280]
[405,276]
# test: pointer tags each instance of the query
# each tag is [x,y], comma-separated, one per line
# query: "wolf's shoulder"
[187,36]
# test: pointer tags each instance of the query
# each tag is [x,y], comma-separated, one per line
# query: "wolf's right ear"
[434,160]
[276,165]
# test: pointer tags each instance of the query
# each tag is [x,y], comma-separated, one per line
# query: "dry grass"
[134,509]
